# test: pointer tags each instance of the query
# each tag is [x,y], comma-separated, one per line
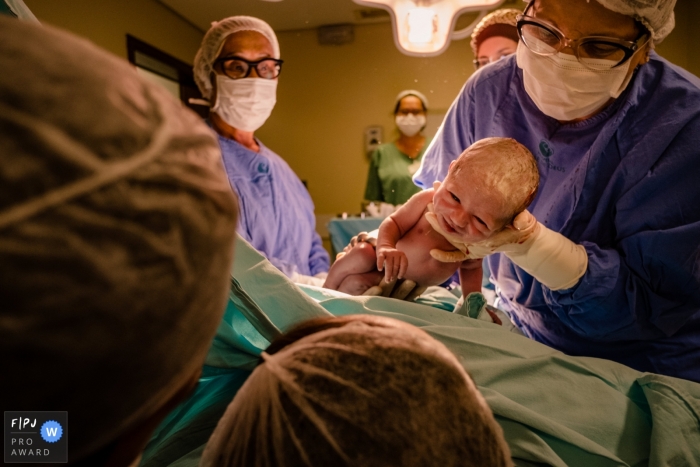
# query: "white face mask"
[564,89]
[410,124]
[245,103]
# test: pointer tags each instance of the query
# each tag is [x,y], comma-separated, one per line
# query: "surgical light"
[422,24]
[425,27]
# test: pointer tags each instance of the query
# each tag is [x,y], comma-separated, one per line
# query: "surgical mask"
[563,88]
[410,124]
[245,103]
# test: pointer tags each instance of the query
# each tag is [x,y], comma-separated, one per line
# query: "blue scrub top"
[276,211]
[626,185]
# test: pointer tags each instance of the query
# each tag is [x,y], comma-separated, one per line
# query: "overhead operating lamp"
[424,28]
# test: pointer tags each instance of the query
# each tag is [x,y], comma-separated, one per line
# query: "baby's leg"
[358,284]
[360,259]
[470,276]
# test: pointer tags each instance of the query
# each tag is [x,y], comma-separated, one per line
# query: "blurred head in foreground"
[357,390]
[116,238]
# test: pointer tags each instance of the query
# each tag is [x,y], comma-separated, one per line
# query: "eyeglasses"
[593,52]
[483,61]
[238,68]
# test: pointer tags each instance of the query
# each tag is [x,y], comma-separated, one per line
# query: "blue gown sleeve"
[319,260]
[373,189]
[246,229]
[648,284]
[276,212]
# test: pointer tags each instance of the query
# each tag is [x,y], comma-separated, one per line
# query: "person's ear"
[451,165]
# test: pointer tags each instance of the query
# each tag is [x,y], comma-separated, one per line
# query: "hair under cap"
[411,92]
[497,23]
[214,40]
[117,227]
[373,392]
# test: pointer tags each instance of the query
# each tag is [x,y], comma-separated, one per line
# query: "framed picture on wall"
[173,74]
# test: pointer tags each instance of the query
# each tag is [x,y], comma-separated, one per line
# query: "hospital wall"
[107,22]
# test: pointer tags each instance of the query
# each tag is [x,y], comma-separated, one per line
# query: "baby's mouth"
[447,225]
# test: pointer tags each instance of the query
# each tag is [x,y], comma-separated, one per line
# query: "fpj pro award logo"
[36,437]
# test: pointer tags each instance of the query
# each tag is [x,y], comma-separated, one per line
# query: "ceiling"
[288,15]
[283,15]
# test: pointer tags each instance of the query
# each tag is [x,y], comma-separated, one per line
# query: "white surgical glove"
[548,256]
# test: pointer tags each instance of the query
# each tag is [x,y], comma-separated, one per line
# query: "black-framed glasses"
[593,52]
[238,68]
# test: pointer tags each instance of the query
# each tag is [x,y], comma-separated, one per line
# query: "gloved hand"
[546,255]
[519,231]
[521,228]
[402,289]
[549,257]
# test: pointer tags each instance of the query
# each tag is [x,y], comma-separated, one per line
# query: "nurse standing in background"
[612,268]
[393,164]
[237,68]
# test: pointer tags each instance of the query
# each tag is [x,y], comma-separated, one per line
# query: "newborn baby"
[429,237]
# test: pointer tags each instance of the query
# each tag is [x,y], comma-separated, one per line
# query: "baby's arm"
[392,261]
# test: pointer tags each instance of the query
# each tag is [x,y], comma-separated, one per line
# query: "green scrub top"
[390,173]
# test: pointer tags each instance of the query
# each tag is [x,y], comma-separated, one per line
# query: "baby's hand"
[393,262]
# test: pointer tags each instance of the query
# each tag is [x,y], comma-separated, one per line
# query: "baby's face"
[465,208]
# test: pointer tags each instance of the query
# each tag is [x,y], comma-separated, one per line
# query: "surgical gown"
[625,184]
[276,211]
